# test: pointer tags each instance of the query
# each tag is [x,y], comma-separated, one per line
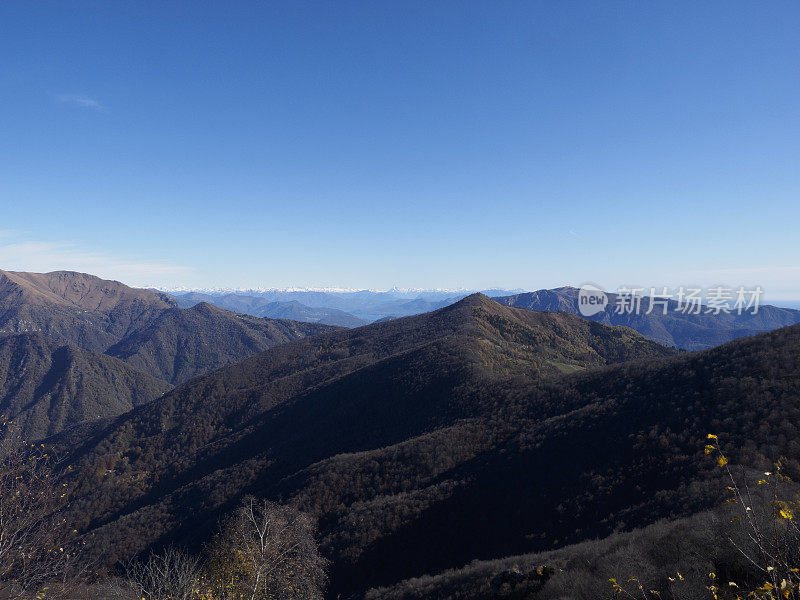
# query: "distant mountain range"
[685,331]
[343,308]
[264,307]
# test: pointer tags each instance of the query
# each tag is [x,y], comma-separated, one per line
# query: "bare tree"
[771,541]
[768,541]
[267,551]
[115,588]
[171,575]
[36,556]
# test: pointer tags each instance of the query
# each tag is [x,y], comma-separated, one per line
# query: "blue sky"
[418,144]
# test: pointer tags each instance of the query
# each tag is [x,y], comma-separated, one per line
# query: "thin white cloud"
[80,101]
[41,257]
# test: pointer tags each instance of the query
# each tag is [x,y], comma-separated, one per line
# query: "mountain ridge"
[147,329]
[75,308]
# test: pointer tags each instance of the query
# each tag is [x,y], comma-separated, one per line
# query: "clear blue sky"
[418,144]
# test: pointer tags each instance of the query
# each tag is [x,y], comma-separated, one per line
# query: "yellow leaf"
[722,461]
[711,436]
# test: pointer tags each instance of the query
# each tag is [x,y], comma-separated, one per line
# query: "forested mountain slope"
[183,343]
[46,387]
[475,432]
[369,427]
[609,450]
